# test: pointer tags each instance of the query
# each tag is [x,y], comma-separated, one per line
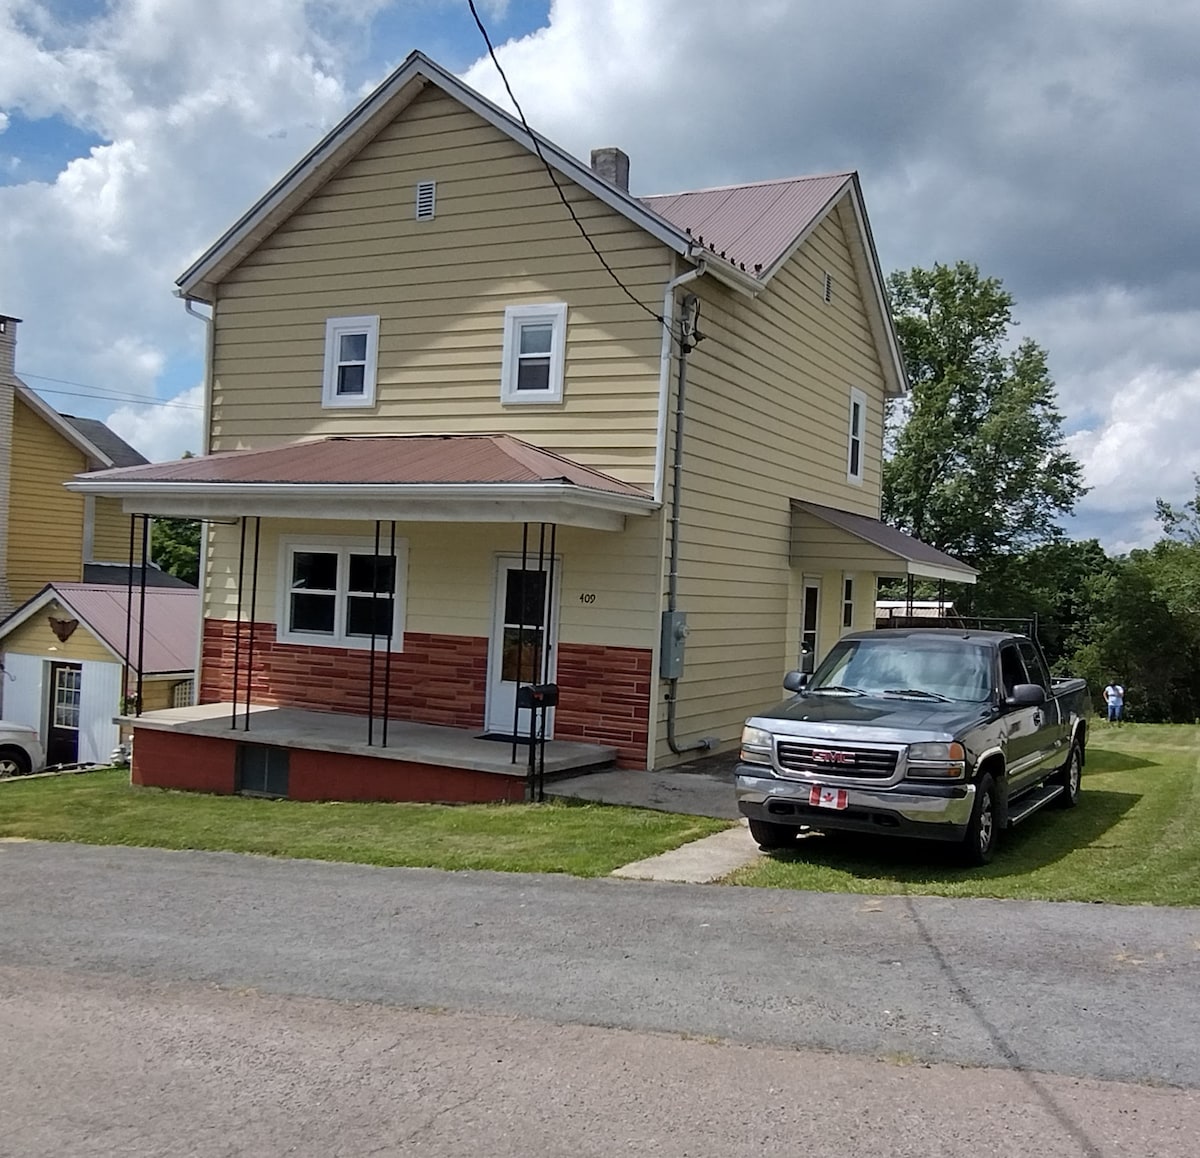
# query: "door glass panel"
[1034,666]
[525,598]
[67,683]
[521,661]
[1012,670]
[808,629]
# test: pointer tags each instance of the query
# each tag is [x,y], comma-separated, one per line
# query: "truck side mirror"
[795,681]
[1026,696]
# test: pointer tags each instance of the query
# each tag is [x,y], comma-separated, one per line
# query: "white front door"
[522,648]
[810,624]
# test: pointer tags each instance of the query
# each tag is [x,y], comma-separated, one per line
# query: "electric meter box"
[674,635]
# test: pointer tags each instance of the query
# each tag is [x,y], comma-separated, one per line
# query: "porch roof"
[441,478]
[848,542]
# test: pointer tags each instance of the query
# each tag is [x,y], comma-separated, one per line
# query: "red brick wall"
[604,692]
[171,760]
[604,698]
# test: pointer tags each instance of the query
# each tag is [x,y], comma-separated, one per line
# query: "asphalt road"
[272,1007]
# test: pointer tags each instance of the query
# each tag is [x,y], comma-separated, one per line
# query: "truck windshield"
[951,669]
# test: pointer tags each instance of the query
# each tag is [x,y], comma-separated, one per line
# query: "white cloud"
[163,432]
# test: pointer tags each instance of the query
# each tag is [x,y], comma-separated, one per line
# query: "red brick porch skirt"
[604,692]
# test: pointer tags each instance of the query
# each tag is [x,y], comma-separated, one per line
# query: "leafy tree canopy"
[175,547]
[978,467]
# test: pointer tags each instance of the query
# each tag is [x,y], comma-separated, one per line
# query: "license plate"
[820,797]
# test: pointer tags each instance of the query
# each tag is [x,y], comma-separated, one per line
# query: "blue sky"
[1040,139]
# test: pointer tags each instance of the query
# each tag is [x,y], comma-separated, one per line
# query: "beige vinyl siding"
[501,237]
[45,526]
[767,422]
[158,693]
[451,575]
[36,637]
[110,536]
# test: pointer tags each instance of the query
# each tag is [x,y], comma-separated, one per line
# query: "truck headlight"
[936,761]
[756,746]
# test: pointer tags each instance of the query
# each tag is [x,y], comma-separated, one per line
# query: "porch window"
[351,346]
[858,428]
[337,593]
[534,341]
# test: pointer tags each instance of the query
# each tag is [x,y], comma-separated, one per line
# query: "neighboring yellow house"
[48,534]
[449,455]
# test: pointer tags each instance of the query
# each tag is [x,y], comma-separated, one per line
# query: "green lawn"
[584,840]
[1133,839]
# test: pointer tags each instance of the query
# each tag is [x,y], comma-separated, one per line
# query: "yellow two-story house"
[479,418]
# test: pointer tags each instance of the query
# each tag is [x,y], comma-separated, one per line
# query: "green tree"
[1182,523]
[175,547]
[978,467]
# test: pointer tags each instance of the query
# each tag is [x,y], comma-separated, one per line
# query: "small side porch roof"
[477,478]
[841,541]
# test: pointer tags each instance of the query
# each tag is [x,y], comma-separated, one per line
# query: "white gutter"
[664,372]
[205,447]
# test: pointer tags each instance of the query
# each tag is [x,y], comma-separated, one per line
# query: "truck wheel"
[1069,777]
[772,836]
[14,762]
[983,829]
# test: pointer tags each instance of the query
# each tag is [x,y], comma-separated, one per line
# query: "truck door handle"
[1037,719]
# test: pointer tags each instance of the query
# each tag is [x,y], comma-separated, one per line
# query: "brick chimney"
[613,165]
[8,384]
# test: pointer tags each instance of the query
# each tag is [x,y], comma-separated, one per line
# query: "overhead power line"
[550,170]
[102,393]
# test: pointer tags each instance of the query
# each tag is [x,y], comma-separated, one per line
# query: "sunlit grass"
[583,840]
[1133,839]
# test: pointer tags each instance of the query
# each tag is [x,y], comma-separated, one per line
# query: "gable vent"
[426,200]
[828,291]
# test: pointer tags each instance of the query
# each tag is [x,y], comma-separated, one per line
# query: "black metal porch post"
[371,664]
[142,611]
[253,617]
[520,633]
[237,625]
[391,628]
[128,619]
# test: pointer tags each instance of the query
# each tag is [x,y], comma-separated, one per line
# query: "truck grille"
[834,761]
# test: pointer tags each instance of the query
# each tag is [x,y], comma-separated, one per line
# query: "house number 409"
[588,597]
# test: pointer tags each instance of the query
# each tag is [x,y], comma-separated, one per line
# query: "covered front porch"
[378,615]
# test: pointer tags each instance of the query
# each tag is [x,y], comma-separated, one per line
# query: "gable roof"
[119,452]
[76,437]
[172,620]
[767,223]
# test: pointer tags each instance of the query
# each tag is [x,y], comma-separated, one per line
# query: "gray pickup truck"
[940,733]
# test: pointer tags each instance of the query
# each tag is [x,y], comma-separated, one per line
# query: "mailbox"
[537,695]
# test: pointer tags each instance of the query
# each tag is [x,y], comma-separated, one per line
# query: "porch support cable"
[128,620]
[391,627]
[520,633]
[237,623]
[142,610]
[371,665]
[253,615]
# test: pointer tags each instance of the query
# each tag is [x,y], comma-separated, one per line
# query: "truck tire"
[772,836]
[1069,777]
[14,762]
[984,829]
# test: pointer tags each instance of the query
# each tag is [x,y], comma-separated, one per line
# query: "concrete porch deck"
[408,742]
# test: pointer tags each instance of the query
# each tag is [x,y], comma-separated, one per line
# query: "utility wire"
[549,169]
[103,394]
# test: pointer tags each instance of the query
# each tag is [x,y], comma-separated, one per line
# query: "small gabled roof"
[119,452]
[58,422]
[172,620]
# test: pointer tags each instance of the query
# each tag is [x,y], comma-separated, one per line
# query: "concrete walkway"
[698,863]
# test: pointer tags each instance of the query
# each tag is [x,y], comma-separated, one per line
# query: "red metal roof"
[386,460]
[172,621]
[751,225]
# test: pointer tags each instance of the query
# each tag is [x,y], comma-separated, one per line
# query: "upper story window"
[336,593]
[856,450]
[535,338]
[351,346]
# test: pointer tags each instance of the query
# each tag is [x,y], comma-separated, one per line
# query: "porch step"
[1027,805]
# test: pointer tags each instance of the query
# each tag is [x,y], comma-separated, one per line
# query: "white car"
[20,750]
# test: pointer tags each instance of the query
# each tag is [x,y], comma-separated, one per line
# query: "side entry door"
[1050,725]
[1021,724]
[62,727]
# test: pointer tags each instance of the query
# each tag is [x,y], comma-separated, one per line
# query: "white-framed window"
[847,600]
[535,339]
[332,593]
[857,446]
[351,347]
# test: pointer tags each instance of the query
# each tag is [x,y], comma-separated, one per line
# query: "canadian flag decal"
[821,797]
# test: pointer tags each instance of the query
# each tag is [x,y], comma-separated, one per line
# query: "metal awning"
[492,478]
[840,541]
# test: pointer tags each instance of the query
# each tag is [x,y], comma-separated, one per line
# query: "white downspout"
[205,447]
[664,375]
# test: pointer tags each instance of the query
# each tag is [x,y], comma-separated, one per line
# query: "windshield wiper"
[838,689]
[918,692]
